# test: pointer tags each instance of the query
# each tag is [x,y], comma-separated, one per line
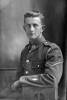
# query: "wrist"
[22,79]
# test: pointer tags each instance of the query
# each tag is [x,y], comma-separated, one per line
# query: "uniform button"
[27,61]
[26,72]
[38,65]
[29,51]
[46,42]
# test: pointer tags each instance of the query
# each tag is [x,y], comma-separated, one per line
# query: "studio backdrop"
[13,38]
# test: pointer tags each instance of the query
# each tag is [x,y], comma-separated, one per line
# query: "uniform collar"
[37,41]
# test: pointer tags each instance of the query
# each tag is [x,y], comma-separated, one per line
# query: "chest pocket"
[39,59]
[37,62]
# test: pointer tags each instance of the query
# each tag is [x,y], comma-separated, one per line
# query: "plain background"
[13,38]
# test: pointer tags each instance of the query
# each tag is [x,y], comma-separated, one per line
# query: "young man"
[41,61]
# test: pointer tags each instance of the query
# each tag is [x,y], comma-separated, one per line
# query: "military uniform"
[42,63]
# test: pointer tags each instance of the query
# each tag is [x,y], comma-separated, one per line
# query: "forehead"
[32,20]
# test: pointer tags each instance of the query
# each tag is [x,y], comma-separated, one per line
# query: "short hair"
[34,14]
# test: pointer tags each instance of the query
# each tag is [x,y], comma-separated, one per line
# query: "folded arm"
[52,72]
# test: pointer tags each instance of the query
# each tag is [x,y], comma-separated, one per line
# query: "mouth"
[31,33]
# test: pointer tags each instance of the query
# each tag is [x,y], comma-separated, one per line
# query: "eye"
[27,25]
[35,25]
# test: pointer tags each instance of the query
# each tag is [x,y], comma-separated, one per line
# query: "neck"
[37,40]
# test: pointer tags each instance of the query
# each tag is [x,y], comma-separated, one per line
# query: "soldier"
[41,62]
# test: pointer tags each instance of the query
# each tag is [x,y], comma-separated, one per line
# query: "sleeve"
[20,70]
[53,70]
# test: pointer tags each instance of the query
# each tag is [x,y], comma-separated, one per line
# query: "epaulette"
[26,46]
[50,44]
[47,43]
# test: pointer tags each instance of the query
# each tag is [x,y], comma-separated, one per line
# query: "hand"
[22,79]
[15,85]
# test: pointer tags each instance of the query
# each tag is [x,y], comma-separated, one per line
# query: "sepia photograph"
[33,49]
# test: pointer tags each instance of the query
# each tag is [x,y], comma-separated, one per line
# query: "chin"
[32,38]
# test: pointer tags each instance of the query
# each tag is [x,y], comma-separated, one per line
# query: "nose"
[31,28]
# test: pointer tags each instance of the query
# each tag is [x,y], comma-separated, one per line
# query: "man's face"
[33,27]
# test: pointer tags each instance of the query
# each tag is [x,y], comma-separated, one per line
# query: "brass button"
[29,51]
[38,65]
[27,61]
[26,72]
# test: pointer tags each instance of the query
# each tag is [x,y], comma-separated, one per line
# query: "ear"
[24,27]
[43,27]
